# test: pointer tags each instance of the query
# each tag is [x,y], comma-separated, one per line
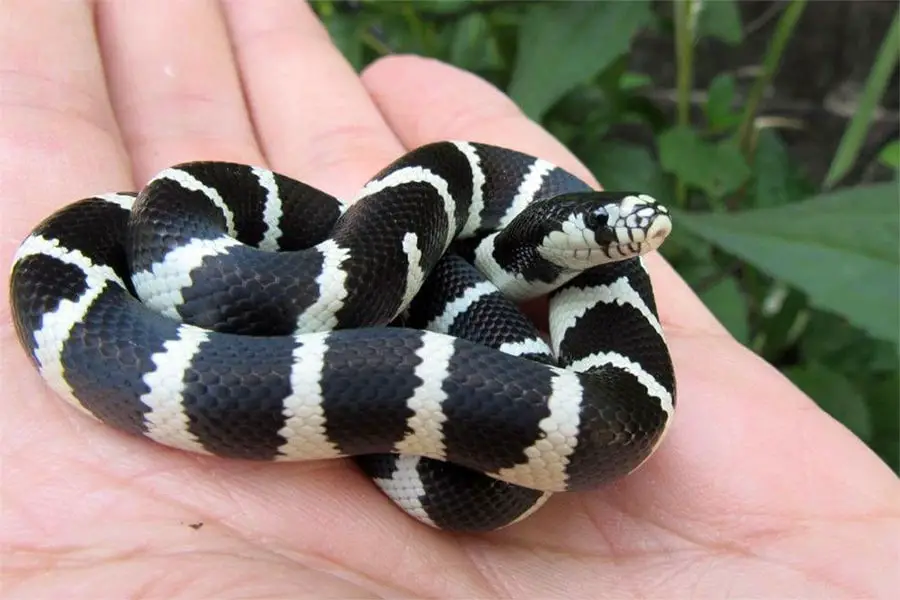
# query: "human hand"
[755,492]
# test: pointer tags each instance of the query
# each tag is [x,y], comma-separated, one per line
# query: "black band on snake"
[229,310]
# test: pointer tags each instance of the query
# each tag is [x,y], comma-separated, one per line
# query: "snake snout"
[659,230]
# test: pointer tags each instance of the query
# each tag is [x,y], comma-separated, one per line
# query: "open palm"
[754,493]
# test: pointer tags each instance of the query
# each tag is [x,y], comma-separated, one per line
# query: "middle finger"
[314,118]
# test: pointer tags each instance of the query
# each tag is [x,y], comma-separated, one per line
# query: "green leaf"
[622,166]
[693,269]
[633,81]
[345,36]
[473,46]
[838,248]
[717,168]
[836,395]
[884,406]
[783,313]
[777,180]
[879,76]
[727,302]
[719,112]
[772,165]
[564,44]
[890,155]
[832,341]
[721,19]
[441,7]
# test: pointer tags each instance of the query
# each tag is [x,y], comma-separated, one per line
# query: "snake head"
[584,229]
[630,219]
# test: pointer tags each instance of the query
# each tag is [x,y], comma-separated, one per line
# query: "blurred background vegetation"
[769,127]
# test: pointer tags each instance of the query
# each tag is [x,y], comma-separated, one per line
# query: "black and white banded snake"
[276,322]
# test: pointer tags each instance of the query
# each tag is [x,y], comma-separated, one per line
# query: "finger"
[58,136]
[311,112]
[426,100]
[174,84]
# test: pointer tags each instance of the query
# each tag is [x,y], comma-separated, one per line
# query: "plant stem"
[368,38]
[786,24]
[684,53]
[855,134]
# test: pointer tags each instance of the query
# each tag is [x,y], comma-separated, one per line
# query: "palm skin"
[755,492]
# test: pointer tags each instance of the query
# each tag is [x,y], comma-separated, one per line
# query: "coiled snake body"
[229,310]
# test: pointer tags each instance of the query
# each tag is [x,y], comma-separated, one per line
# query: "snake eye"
[598,218]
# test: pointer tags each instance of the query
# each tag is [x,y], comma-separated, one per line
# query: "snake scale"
[229,310]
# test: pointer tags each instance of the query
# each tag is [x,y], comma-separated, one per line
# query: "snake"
[229,310]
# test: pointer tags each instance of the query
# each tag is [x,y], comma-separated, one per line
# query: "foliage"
[803,272]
